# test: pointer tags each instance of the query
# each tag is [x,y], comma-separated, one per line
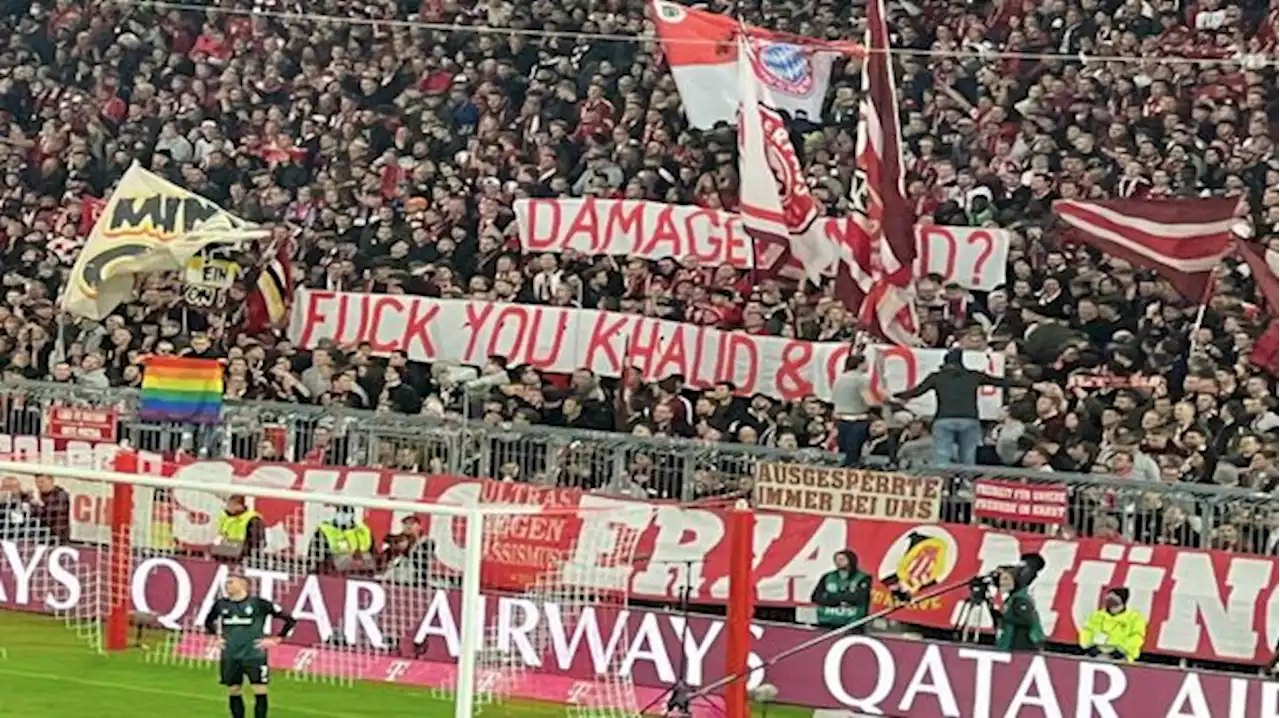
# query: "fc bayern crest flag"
[702,50]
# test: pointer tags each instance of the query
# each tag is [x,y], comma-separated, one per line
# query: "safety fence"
[1181,514]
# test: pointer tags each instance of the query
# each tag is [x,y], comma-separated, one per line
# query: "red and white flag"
[776,204]
[879,250]
[701,49]
[1264,266]
[1180,239]
[267,303]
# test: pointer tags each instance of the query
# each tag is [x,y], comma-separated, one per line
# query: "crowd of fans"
[390,155]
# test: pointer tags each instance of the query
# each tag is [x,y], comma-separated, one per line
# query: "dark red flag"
[1181,239]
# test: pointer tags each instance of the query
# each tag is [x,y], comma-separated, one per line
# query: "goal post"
[452,618]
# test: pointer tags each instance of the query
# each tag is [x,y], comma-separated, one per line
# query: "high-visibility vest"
[357,539]
[235,529]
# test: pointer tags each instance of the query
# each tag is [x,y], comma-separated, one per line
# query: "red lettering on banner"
[341,329]
[557,344]
[715,244]
[791,381]
[586,223]
[740,249]
[665,232]
[379,306]
[534,242]
[607,326]
[641,349]
[696,378]
[313,316]
[750,382]
[418,328]
[673,353]
[887,353]
[926,248]
[516,349]
[834,366]
[477,314]
[988,248]
[628,223]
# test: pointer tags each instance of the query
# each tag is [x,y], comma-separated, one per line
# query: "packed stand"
[391,156]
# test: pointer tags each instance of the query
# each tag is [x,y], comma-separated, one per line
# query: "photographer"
[1114,630]
[843,595]
[1017,622]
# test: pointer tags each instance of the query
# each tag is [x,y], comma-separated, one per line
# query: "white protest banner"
[897,368]
[974,257]
[561,340]
[652,230]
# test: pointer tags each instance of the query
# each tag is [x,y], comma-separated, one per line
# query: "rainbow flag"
[180,389]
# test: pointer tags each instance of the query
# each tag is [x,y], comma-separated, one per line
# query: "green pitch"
[47,672]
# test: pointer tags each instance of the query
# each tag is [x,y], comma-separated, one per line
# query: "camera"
[980,588]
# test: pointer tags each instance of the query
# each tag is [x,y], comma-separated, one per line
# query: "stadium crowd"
[390,155]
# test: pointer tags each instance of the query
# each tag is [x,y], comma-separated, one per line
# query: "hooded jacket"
[843,596]
[1111,633]
[955,387]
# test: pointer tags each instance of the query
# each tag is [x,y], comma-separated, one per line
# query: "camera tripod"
[968,623]
[680,695]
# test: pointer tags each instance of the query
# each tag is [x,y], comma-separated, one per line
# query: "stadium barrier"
[1055,503]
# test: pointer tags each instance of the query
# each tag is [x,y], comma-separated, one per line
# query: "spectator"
[341,544]
[843,595]
[853,399]
[18,521]
[242,532]
[51,506]
[1114,630]
[1018,621]
[956,429]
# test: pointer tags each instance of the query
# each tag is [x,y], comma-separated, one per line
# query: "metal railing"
[1147,512]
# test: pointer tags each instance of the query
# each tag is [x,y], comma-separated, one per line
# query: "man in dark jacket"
[843,595]
[51,505]
[956,429]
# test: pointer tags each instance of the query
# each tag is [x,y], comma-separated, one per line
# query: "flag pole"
[1204,303]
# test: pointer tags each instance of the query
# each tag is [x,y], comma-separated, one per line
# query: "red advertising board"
[74,423]
[1203,604]
[1011,500]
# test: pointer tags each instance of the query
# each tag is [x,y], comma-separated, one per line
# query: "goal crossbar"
[269,492]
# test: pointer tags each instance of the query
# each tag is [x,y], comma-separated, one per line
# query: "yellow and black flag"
[148,225]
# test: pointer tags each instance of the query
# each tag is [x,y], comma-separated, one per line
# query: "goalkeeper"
[241,621]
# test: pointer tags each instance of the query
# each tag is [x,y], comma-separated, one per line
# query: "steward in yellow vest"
[241,530]
[1114,630]
[342,544]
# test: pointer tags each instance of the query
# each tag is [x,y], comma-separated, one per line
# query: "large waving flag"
[777,207]
[879,249]
[147,225]
[702,50]
[1264,266]
[1181,239]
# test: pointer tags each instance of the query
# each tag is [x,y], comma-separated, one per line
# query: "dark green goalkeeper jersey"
[243,623]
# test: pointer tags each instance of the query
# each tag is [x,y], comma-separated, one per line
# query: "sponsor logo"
[785,67]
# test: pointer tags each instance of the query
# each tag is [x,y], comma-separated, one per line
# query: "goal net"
[473,596]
